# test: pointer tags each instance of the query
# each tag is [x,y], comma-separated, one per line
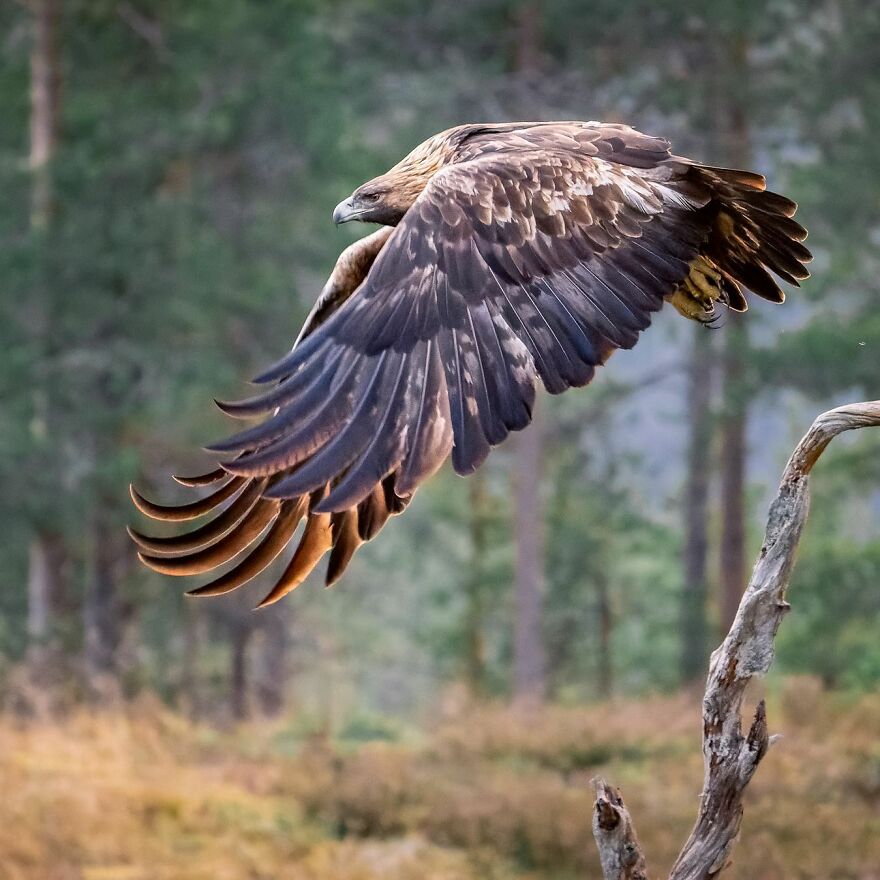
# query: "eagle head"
[385,199]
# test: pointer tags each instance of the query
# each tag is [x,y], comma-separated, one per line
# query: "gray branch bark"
[731,756]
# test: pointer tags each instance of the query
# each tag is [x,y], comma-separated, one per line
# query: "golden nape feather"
[507,254]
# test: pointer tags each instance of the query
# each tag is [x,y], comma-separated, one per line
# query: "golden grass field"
[143,794]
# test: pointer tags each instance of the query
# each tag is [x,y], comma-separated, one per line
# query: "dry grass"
[489,794]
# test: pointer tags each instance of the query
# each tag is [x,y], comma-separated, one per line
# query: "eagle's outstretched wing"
[535,257]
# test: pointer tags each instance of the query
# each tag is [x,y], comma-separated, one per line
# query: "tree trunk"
[45,554]
[45,592]
[240,637]
[529,660]
[194,637]
[734,419]
[101,615]
[45,102]
[605,624]
[40,589]
[271,672]
[528,37]
[474,642]
[733,473]
[694,624]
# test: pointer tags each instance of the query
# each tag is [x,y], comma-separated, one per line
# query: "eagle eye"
[370,198]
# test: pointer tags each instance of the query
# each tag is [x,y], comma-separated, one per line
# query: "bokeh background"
[167,173]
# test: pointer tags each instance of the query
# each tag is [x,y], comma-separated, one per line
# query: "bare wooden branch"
[731,758]
[619,849]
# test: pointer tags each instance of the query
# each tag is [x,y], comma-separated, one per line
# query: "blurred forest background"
[167,173]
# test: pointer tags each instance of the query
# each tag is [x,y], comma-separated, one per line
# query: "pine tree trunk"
[39,590]
[733,474]
[194,638]
[528,37]
[694,623]
[474,642]
[605,627]
[102,614]
[271,661]
[45,553]
[529,659]
[45,103]
[734,419]
[45,592]
[240,637]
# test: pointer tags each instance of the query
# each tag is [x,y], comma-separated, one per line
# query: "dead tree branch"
[731,757]
[619,849]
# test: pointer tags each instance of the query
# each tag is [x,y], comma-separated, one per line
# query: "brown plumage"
[507,253]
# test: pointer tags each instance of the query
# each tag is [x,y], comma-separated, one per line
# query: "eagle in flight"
[505,254]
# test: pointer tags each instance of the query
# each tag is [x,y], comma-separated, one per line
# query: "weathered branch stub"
[731,758]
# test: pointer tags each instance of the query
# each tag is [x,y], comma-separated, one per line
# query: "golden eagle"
[506,253]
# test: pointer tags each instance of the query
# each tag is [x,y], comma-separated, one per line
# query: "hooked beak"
[345,211]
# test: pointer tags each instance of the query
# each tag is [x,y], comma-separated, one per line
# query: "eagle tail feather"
[751,239]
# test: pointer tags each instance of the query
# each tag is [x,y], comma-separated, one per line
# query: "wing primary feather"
[373,513]
[208,533]
[432,435]
[339,452]
[276,539]
[471,446]
[494,424]
[210,557]
[315,542]
[346,540]
[369,468]
[283,392]
[200,480]
[396,503]
[521,396]
[288,365]
[183,512]
[313,403]
[289,449]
